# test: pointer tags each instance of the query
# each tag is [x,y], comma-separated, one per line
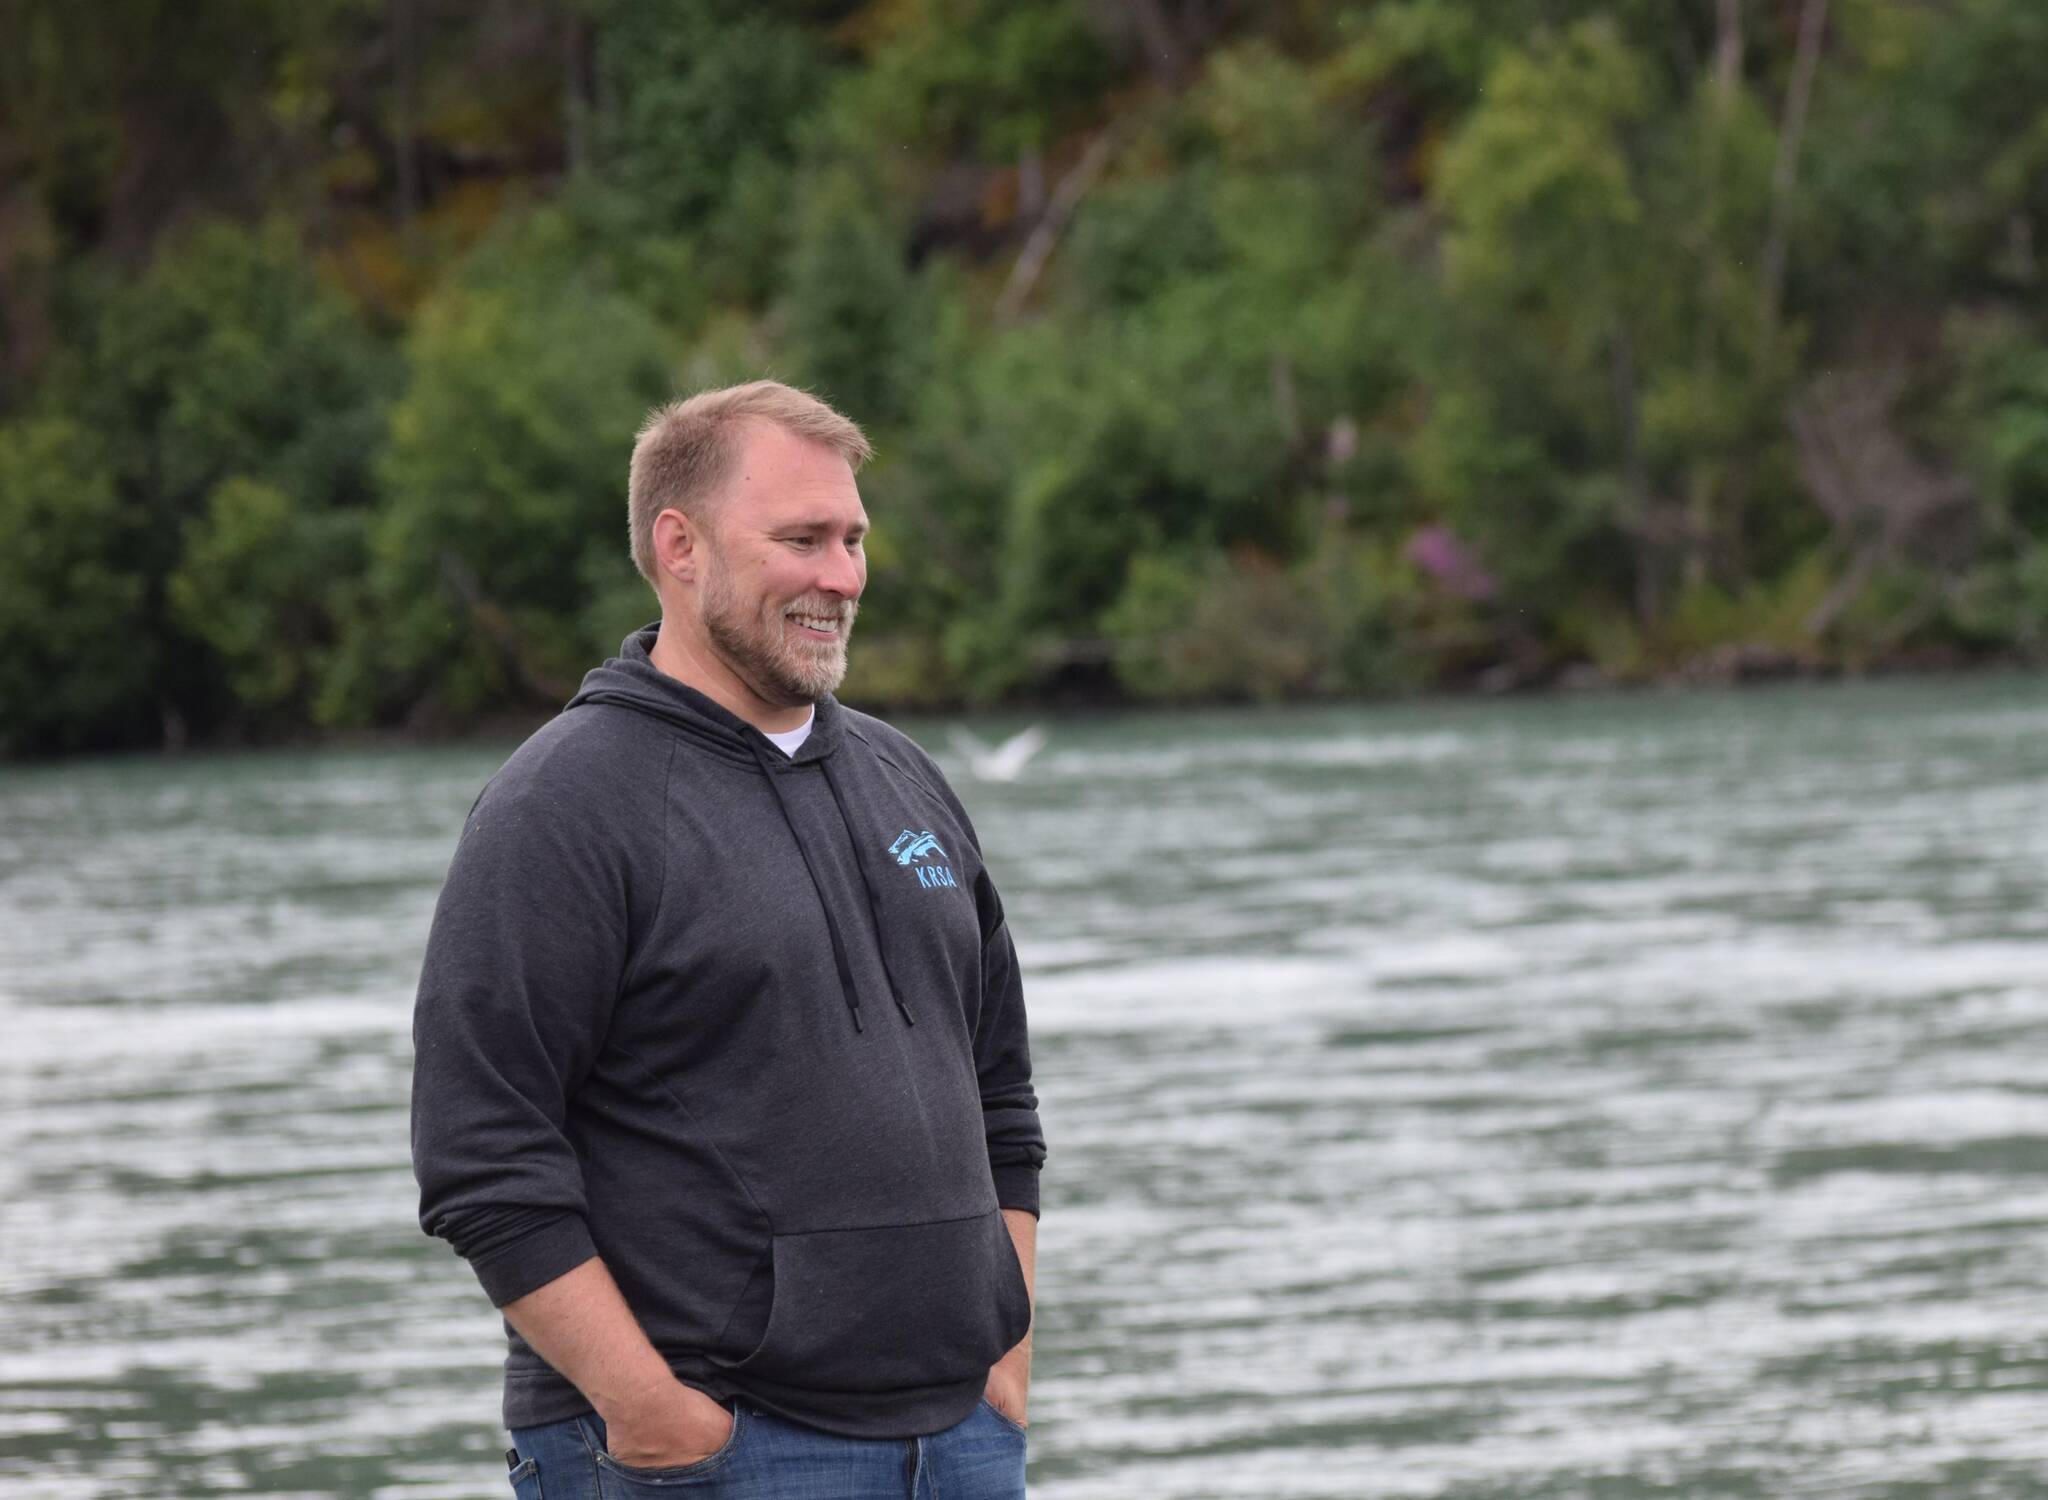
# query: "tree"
[1596,246]
[76,654]
[226,361]
[505,481]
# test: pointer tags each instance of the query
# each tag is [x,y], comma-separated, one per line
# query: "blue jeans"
[771,1458]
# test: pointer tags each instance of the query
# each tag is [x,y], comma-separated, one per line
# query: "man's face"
[784,567]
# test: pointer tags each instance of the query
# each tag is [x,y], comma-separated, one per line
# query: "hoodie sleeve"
[523,964]
[1002,1060]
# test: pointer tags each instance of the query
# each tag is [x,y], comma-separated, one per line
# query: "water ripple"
[1584,1098]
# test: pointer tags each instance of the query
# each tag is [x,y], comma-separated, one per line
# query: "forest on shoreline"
[1211,350]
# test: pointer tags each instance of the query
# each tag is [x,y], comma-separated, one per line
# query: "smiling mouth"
[816,627]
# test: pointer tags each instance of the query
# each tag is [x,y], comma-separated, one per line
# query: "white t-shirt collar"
[790,739]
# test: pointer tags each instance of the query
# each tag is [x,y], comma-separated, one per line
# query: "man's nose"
[842,571]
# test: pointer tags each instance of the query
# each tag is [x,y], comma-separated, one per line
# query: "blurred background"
[1459,1083]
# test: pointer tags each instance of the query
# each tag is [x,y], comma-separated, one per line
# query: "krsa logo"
[921,852]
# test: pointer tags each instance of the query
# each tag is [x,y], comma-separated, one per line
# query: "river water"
[1603,1097]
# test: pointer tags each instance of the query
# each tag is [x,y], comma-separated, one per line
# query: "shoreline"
[1728,669]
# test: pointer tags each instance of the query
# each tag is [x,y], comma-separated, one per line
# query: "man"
[722,1081]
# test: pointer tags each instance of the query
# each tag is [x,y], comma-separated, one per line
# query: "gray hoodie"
[750,1028]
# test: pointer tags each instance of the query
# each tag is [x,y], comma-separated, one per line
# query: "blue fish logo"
[910,848]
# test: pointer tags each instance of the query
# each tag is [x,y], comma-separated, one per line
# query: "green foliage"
[1999,407]
[1930,159]
[856,315]
[1172,356]
[705,98]
[1442,52]
[1139,238]
[1548,251]
[1766,621]
[597,234]
[504,482]
[2004,605]
[228,358]
[1771,613]
[902,669]
[1193,626]
[228,362]
[1159,442]
[79,86]
[1615,410]
[1212,332]
[76,659]
[265,583]
[991,77]
[1546,220]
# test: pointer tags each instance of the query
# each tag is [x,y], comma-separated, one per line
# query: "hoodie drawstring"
[846,985]
[874,907]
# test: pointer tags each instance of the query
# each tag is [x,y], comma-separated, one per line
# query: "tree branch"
[1045,235]
[1727,53]
[1813,20]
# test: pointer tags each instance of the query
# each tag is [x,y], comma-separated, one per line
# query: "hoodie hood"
[632,680]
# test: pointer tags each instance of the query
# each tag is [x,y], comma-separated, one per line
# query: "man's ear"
[679,546]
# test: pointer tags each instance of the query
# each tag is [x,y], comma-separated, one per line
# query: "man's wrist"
[641,1391]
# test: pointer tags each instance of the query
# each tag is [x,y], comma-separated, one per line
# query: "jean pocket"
[997,1412]
[526,1481]
[610,1470]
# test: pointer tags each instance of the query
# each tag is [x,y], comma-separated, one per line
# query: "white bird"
[1004,762]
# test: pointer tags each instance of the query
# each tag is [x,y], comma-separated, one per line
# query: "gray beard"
[779,669]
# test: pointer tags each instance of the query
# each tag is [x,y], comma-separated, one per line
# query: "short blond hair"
[687,450]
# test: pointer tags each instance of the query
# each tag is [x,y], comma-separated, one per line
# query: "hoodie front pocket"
[892,1307]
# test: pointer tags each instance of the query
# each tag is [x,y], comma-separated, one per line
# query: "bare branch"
[1813,20]
[1727,54]
[1880,497]
[1045,235]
